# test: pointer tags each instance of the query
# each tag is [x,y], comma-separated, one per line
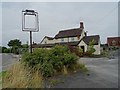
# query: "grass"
[78,67]
[53,82]
[105,53]
[2,74]
[20,77]
[65,71]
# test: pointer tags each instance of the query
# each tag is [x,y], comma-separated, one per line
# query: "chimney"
[81,25]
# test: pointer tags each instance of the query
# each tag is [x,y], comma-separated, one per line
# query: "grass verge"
[20,77]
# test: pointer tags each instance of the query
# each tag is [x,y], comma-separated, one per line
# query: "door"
[83,48]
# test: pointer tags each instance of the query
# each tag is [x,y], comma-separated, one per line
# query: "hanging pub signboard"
[30,23]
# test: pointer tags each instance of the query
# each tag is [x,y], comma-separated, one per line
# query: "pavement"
[103,73]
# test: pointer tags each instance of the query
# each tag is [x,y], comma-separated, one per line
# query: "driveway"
[103,74]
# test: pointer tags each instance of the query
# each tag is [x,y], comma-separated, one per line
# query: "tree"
[3,49]
[15,45]
[91,48]
[14,42]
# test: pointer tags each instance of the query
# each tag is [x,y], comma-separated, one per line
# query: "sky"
[99,18]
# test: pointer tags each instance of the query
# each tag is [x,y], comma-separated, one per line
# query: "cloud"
[99,18]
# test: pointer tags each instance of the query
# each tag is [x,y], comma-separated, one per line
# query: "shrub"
[87,53]
[78,67]
[60,56]
[69,58]
[91,48]
[50,61]
[47,69]
[75,50]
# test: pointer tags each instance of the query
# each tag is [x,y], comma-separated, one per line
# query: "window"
[72,39]
[62,39]
[45,42]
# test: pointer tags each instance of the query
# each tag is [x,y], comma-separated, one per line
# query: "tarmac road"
[7,60]
[103,74]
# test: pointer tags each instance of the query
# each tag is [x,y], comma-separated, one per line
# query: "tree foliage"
[91,48]
[4,49]
[14,42]
[15,45]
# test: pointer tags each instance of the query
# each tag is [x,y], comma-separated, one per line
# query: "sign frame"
[30,12]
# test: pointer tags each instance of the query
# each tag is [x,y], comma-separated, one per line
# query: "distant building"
[74,37]
[113,42]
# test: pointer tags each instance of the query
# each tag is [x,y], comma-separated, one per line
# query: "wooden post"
[30,41]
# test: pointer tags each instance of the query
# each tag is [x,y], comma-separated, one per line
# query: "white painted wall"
[59,40]
[98,49]
[66,39]
[82,43]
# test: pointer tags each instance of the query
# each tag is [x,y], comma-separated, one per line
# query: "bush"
[88,53]
[91,48]
[47,69]
[75,50]
[61,55]
[50,61]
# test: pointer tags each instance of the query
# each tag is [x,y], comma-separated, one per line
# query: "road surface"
[103,74]
[6,60]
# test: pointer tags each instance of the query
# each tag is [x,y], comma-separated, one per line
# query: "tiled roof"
[49,38]
[69,33]
[51,45]
[88,39]
[75,43]
[43,45]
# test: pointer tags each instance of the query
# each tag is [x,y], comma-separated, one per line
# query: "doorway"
[83,48]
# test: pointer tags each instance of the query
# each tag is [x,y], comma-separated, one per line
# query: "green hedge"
[49,61]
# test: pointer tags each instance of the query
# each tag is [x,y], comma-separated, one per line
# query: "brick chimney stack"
[81,25]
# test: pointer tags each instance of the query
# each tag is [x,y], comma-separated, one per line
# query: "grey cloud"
[99,18]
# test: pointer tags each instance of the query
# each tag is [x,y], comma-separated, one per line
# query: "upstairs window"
[72,39]
[62,39]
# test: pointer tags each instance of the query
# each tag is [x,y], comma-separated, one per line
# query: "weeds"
[19,77]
